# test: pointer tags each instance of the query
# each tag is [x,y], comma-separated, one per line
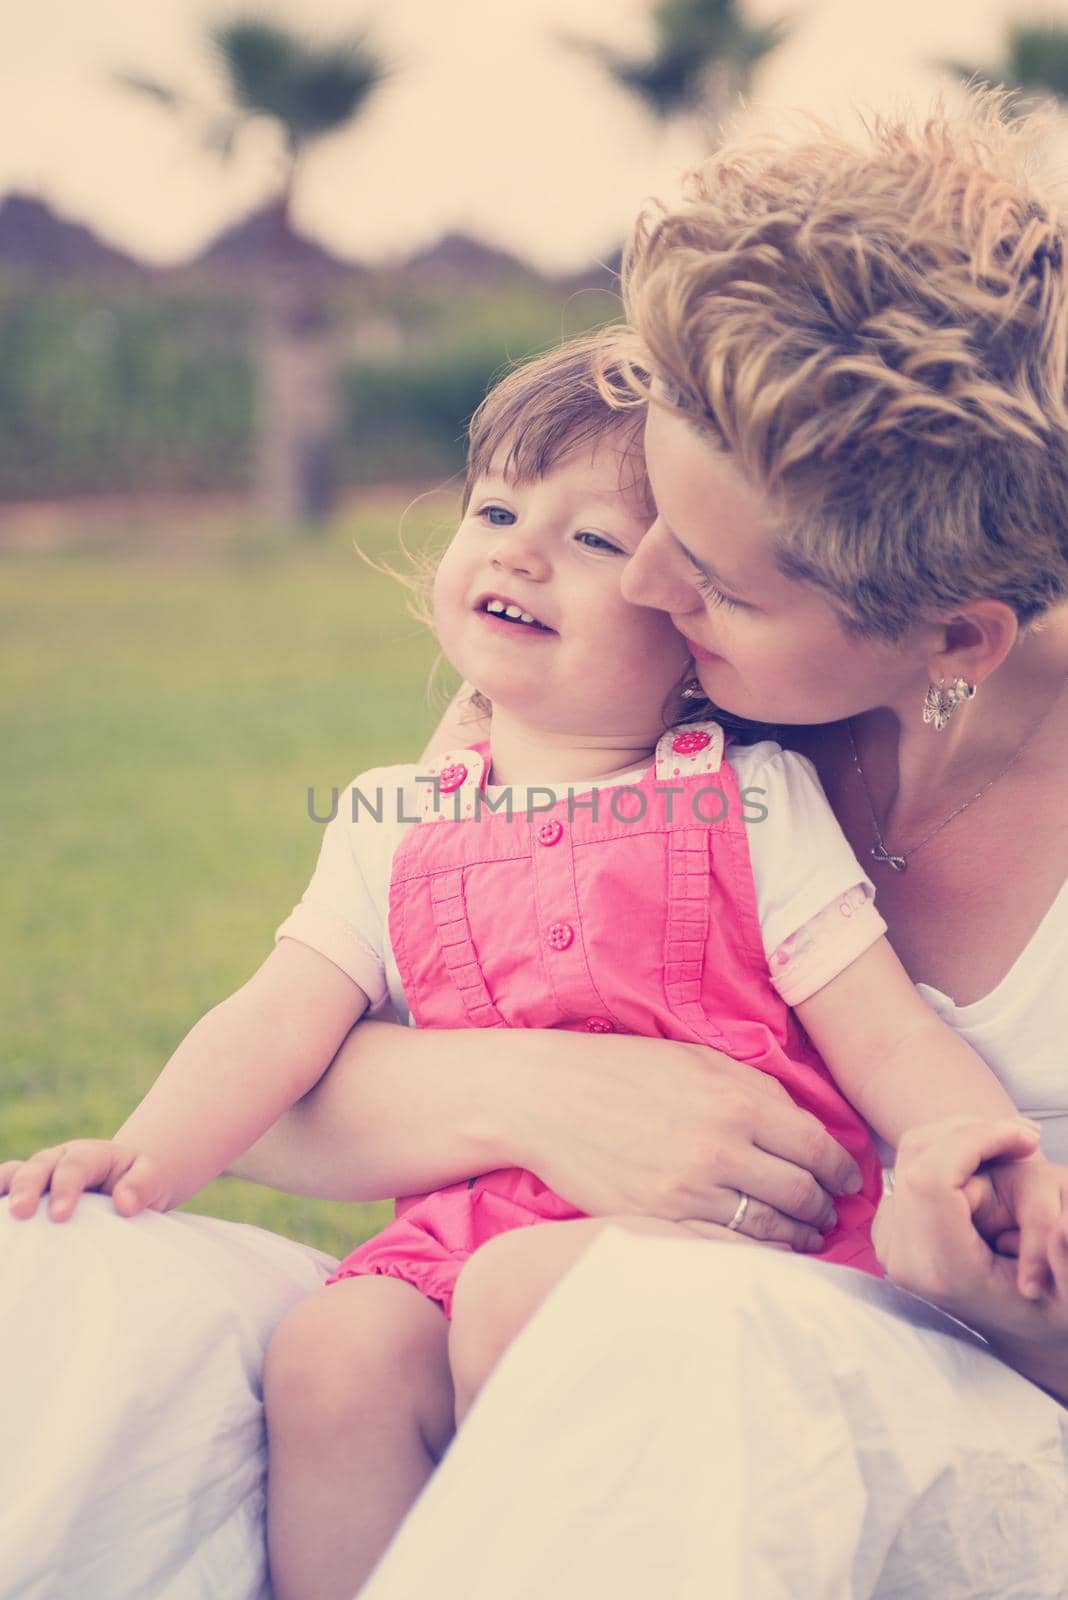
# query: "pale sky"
[489,125]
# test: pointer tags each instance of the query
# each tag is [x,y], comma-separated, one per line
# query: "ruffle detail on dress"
[428,1245]
[434,1276]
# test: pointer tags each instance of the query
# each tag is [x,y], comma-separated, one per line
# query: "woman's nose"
[657,575]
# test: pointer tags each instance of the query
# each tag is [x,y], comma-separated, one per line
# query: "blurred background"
[257,267]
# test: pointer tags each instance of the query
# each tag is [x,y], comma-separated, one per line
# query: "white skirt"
[132,1457]
[680,1421]
[683,1421]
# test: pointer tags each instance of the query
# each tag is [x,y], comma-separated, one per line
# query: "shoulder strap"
[448,783]
[690,751]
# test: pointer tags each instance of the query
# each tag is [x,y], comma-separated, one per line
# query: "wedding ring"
[739,1212]
[888,1180]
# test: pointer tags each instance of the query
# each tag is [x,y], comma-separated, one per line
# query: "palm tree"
[1035,63]
[702,58]
[308,91]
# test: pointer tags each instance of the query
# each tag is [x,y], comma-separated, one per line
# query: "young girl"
[588,871]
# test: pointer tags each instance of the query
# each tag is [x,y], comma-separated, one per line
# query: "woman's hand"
[67,1171]
[927,1236]
[614,1124]
[679,1131]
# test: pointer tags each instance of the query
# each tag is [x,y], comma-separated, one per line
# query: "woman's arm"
[237,1069]
[615,1125]
[928,1242]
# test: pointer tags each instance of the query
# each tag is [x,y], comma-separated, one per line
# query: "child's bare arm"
[891,1056]
[902,1067]
[236,1070]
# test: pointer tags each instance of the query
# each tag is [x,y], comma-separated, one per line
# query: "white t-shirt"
[1021,1027]
[815,905]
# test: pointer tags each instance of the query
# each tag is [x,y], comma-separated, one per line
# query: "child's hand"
[135,1182]
[929,1238]
[1030,1197]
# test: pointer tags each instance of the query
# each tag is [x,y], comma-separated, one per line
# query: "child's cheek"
[652,650]
[447,591]
[664,642]
[446,603]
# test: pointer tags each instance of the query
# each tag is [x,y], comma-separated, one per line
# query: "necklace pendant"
[880,853]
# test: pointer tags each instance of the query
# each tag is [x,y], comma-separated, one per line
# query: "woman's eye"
[713,594]
[497,516]
[596,541]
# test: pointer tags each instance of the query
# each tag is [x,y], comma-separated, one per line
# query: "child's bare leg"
[506,1281]
[359,1409]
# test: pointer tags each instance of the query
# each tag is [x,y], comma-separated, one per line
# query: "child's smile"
[498,609]
[527,599]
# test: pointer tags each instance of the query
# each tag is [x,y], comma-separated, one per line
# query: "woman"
[878,339]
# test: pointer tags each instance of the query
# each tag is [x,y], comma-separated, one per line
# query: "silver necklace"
[898,860]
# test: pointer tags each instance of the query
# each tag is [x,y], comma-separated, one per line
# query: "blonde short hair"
[877,331]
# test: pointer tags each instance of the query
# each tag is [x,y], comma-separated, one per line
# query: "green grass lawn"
[163,717]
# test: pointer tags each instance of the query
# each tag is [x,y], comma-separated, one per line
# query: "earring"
[940,703]
[691,689]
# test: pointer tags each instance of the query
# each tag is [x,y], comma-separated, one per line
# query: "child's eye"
[713,594]
[597,541]
[497,516]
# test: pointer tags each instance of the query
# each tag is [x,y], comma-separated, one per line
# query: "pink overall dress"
[623,910]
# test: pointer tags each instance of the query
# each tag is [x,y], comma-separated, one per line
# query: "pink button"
[559,935]
[549,832]
[452,777]
[688,744]
[599,1025]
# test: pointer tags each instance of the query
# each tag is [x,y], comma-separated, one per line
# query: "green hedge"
[103,394]
[154,390]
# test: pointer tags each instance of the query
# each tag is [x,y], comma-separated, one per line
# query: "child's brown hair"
[555,403]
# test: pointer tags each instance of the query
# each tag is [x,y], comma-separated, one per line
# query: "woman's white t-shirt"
[1021,1027]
